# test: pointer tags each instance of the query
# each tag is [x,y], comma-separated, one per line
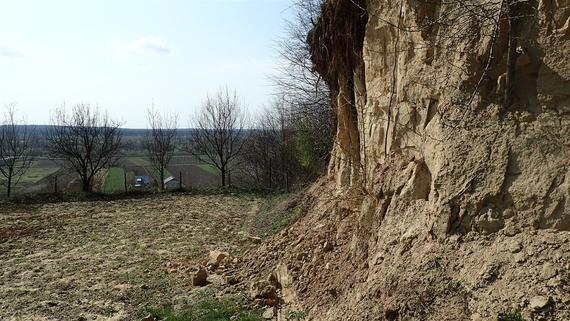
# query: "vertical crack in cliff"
[394,71]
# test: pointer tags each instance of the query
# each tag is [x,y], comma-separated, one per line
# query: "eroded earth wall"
[441,202]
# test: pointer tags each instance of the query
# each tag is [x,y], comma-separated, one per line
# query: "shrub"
[511,315]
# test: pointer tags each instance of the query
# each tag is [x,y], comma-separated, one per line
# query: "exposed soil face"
[461,277]
[108,260]
[441,201]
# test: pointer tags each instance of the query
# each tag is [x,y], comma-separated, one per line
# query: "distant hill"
[128,132]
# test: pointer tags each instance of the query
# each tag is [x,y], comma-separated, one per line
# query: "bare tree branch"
[16,149]
[218,135]
[87,140]
[160,142]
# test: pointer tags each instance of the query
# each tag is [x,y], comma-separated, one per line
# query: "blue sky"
[123,54]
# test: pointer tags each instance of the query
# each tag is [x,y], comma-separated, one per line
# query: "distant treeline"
[286,146]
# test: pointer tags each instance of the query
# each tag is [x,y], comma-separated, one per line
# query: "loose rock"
[231,280]
[200,278]
[149,317]
[268,314]
[548,271]
[262,290]
[215,258]
[515,247]
[538,303]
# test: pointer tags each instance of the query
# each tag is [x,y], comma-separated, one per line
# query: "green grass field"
[35,174]
[209,168]
[115,180]
[139,161]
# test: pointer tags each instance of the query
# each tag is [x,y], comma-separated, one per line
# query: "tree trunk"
[86,181]
[223,171]
[125,181]
[511,54]
[270,176]
[9,186]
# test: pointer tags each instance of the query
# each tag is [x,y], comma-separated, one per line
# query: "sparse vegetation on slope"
[276,213]
[511,315]
[213,310]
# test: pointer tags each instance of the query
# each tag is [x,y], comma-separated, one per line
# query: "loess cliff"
[442,202]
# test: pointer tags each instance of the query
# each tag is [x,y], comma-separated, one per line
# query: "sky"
[123,55]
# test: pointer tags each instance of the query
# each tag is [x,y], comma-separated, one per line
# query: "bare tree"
[260,151]
[218,135]
[160,142]
[16,149]
[292,139]
[280,122]
[269,155]
[296,81]
[302,89]
[87,140]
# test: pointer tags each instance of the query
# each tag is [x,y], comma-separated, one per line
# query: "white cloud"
[11,51]
[145,45]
